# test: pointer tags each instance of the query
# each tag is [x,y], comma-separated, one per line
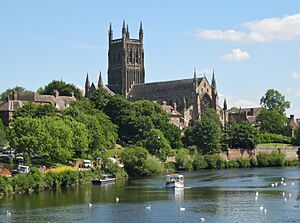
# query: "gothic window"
[130,56]
[204,84]
[137,56]
[205,103]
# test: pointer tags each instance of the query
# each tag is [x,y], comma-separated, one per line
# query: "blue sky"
[252,45]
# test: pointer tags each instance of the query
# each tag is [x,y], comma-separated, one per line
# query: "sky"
[252,45]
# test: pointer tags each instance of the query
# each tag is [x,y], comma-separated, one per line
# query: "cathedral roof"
[165,88]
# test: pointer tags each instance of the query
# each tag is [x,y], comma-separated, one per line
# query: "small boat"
[105,178]
[175,181]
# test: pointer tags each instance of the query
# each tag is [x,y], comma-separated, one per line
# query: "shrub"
[169,167]
[243,163]
[232,164]
[263,159]
[5,186]
[274,138]
[253,162]
[277,158]
[183,160]
[199,162]
[153,166]
[214,161]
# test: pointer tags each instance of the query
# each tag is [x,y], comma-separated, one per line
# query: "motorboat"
[175,181]
[105,178]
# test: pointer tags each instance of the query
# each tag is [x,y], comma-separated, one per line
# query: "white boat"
[175,181]
[106,178]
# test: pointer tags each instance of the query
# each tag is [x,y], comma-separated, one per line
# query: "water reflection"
[216,195]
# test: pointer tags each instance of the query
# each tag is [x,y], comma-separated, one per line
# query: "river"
[214,195]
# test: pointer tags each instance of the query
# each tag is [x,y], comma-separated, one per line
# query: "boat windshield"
[174,177]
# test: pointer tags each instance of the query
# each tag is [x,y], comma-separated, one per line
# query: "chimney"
[15,95]
[292,117]
[56,93]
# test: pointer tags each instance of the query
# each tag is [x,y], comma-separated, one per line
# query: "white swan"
[283,193]
[261,208]
[202,219]
[290,195]
[282,178]
[181,209]
[148,207]
[272,185]
[256,194]
[117,199]
[292,183]
[265,210]
[276,184]
[8,213]
[256,198]
[90,205]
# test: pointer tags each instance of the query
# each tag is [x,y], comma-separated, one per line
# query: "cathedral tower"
[125,61]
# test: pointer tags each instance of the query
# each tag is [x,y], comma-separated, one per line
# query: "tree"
[9,92]
[134,159]
[271,121]
[157,144]
[35,111]
[3,134]
[183,160]
[240,135]
[205,134]
[172,134]
[100,98]
[65,89]
[274,100]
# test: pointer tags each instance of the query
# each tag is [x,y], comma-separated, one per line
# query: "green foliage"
[274,100]
[35,111]
[274,138]
[3,134]
[183,160]
[243,163]
[172,134]
[199,162]
[5,186]
[9,92]
[153,166]
[240,135]
[65,89]
[157,144]
[134,159]
[277,158]
[100,98]
[263,159]
[214,161]
[271,121]
[206,134]
[253,162]
[231,164]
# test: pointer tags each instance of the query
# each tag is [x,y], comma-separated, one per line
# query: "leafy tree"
[274,100]
[3,134]
[271,121]
[9,92]
[65,89]
[240,135]
[157,144]
[80,136]
[172,134]
[183,160]
[35,111]
[100,98]
[134,159]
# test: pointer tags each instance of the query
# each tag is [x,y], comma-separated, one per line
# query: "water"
[215,195]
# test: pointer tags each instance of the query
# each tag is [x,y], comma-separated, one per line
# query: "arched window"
[137,56]
[130,56]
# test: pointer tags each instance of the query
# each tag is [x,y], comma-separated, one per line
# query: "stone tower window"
[137,56]
[130,56]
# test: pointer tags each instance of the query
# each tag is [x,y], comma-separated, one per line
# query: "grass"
[275,145]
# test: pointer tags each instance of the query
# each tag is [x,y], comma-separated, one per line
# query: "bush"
[243,163]
[199,162]
[274,138]
[5,186]
[253,162]
[183,160]
[153,166]
[169,167]
[215,161]
[277,158]
[263,159]
[232,164]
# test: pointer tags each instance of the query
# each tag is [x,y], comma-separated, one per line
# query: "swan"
[276,184]
[202,219]
[261,208]
[8,213]
[272,185]
[256,194]
[117,199]
[293,183]
[256,198]
[290,195]
[283,193]
[265,210]
[282,178]
[181,209]
[90,205]
[148,207]
[285,199]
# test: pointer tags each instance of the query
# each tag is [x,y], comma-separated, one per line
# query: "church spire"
[225,105]
[195,73]
[141,32]
[110,33]
[124,30]
[100,81]
[213,81]
[127,32]
[87,81]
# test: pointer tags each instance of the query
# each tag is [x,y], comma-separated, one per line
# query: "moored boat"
[105,178]
[175,181]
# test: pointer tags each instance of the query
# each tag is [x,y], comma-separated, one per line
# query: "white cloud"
[236,55]
[270,29]
[295,74]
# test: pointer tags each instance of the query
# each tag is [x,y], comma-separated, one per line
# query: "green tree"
[172,134]
[35,111]
[240,135]
[274,100]
[3,134]
[183,160]
[157,144]
[9,92]
[134,159]
[65,89]
[271,121]
[100,98]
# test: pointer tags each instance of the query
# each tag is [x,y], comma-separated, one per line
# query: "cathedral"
[185,100]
